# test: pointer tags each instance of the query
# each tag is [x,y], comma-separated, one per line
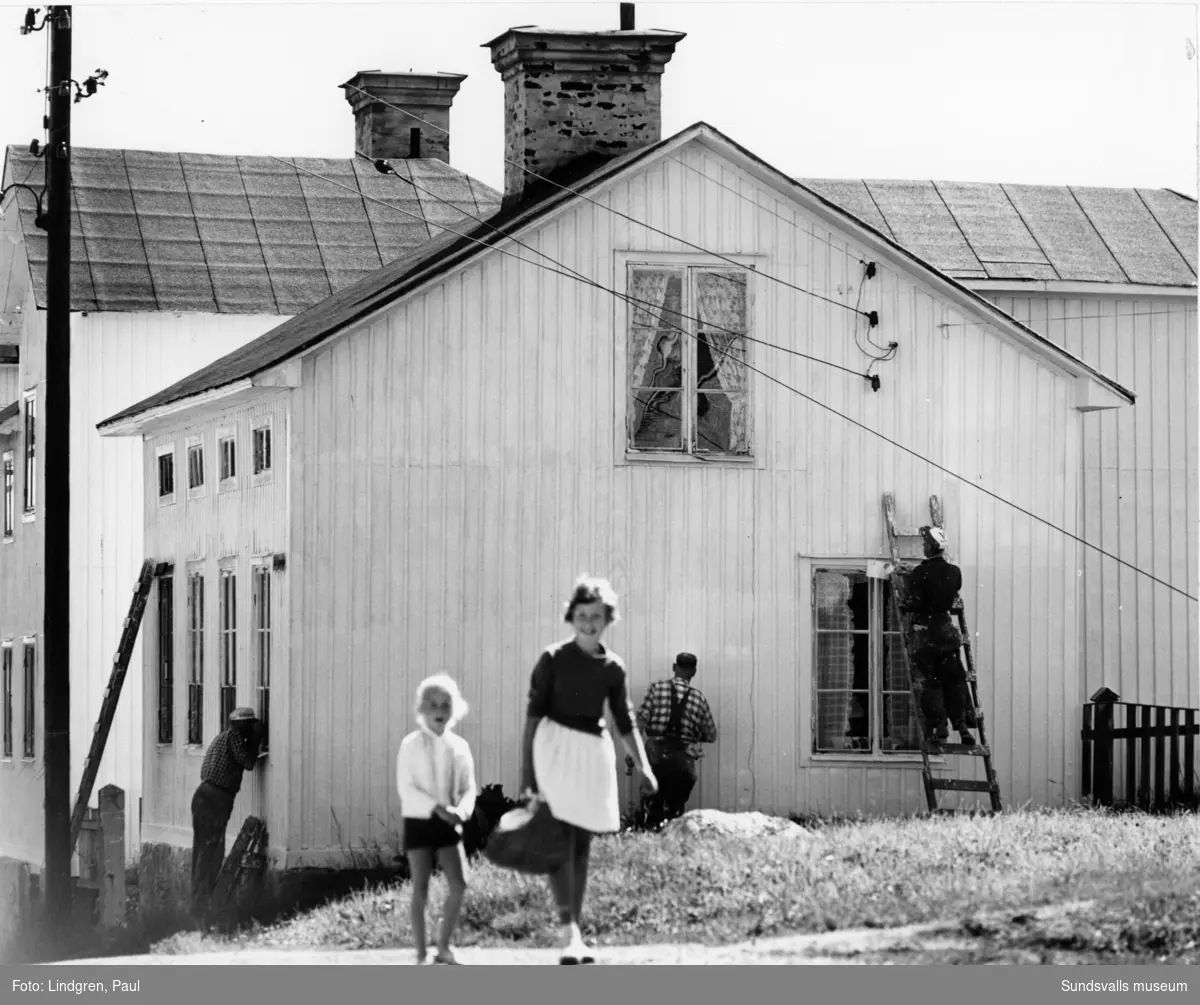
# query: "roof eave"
[134,423]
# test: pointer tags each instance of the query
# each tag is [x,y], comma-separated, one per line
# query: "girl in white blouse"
[435,778]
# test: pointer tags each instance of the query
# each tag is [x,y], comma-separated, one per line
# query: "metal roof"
[978,231]
[306,330]
[235,235]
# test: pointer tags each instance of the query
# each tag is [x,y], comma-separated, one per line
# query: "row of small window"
[261,461]
[8,462]
[227,668]
[28,694]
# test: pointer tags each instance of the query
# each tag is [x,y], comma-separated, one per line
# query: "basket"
[529,839]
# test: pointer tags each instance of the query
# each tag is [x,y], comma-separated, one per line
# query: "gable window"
[30,501]
[195,602]
[228,640]
[687,379]
[10,493]
[166,474]
[262,449]
[6,665]
[227,458]
[166,657]
[861,697]
[195,466]
[29,749]
[262,646]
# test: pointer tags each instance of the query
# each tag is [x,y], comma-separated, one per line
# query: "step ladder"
[112,694]
[245,863]
[906,551]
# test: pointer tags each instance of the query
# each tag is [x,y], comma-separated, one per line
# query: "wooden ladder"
[902,567]
[112,695]
[247,857]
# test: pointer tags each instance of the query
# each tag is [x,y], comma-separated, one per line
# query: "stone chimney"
[572,93]
[381,130]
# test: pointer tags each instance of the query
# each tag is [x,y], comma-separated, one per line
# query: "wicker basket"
[530,840]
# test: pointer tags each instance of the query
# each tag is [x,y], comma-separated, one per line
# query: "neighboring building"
[457,436]
[1110,275]
[178,259]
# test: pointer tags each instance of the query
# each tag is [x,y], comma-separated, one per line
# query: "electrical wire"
[820,404]
[1076,317]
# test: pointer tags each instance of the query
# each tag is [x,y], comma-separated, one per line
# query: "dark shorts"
[432,834]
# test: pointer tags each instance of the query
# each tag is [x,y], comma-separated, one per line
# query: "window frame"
[8,471]
[6,709]
[165,451]
[757,318]
[226,642]
[195,654]
[194,446]
[29,487]
[227,435]
[164,656]
[29,698]
[810,566]
[265,474]
[262,634]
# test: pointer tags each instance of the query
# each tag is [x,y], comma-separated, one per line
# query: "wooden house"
[649,366]
[178,259]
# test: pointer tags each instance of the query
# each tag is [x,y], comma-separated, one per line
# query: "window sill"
[196,493]
[228,485]
[263,478]
[164,748]
[906,759]
[717,460]
[29,760]
[168,500]
[194,750]
[28,517]
[7,539]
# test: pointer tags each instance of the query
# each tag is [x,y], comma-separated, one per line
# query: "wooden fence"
[1146,752]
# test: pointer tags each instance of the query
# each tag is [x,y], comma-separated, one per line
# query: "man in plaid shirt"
[676,719]
[232,752]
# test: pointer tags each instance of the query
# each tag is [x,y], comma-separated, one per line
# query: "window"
[195,602]
[29,750]
[6,665]
[262,645]
[195,466]
[262,450]
[166,473]
[228,614]
[30,502]
[10,505]
[227,457]
[687,390]
[166,657]
[862,699]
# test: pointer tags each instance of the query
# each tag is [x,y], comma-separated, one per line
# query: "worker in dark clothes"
[232,752]
[932,590]
[676,719]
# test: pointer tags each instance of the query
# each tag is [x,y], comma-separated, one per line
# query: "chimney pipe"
[391,109]
[627,17]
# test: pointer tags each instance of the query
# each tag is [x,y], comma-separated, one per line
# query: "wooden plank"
[1189,756]
[1102,766]
[1160,767]
[1088,743]
[961,785]
[1130,753]
[1174,755]
[1143,799]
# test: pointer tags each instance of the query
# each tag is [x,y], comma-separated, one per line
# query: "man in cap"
[932,590]
[232,752]
[675,719]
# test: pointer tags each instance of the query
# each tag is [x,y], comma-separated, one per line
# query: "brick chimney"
[384,131]
[572,93]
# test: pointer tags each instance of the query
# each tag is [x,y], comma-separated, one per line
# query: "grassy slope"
[982,875]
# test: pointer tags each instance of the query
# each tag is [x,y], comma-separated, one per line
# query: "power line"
[854,422]
[610,209]
[1076,317]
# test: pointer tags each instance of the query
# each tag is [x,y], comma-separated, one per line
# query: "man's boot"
[964,734]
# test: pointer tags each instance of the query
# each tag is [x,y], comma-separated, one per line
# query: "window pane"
[895,663]
[655,358]
[195,467]
[900,729]
[721,299]
[841,599]
[721,423]
[843,722]
[656,295]
[655,421]
[720,361]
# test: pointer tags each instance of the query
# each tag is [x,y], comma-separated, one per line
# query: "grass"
[1141,873]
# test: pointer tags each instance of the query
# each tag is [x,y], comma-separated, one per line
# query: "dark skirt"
[433,833]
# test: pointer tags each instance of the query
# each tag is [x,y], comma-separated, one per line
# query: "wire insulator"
[872,319]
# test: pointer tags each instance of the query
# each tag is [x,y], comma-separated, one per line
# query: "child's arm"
[415,800]
[465,807]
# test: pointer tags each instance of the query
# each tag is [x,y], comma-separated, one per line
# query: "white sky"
[1055,93]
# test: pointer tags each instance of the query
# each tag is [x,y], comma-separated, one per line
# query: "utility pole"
[56,508]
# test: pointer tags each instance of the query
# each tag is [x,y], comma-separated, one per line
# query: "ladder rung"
[979,750]
[962,785]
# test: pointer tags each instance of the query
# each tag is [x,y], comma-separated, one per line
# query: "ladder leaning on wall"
[901,569]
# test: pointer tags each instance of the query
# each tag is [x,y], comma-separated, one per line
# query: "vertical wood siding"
[455,470]
[1140,491]
[10,384]
[117,359]
[240,527]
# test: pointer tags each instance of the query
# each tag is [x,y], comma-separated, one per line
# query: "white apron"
[577,776]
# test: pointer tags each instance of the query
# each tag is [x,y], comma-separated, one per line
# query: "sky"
[1025,92]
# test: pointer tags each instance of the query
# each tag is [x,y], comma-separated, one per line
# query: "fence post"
[1189,756]
[1102,766]
[1087,734]
[112,876]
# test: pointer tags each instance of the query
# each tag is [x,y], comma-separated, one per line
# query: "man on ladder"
[932,591]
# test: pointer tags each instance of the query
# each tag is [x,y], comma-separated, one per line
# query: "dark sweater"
[570,687]
[932,587]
